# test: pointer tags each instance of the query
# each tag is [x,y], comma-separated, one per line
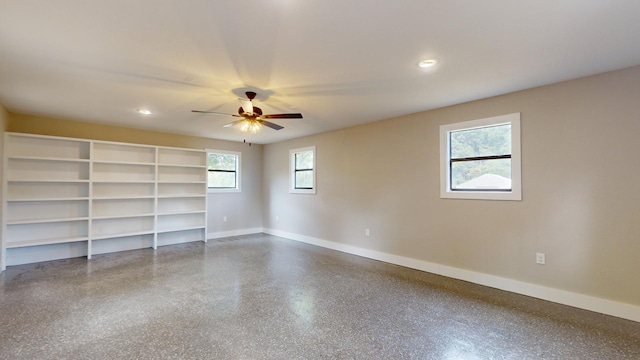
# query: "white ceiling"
[339,63]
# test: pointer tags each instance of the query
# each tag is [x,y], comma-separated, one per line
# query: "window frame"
[238,171]
[515,194]
[293,170]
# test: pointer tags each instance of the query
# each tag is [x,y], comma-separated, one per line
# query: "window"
[303,170]
[223,171]
[480,159]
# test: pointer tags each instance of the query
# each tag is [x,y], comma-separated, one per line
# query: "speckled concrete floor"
[263,297]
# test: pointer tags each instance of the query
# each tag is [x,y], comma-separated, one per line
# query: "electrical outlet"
[540,258]
[366,232]
[277,218]
[224,218]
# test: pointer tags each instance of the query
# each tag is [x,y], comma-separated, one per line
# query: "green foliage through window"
[481,158]
[303,170]
[222,171]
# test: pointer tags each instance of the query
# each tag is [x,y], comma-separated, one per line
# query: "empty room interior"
[320,180]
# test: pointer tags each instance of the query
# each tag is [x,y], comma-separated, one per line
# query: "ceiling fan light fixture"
[144,111]
[247,106]
[252,126]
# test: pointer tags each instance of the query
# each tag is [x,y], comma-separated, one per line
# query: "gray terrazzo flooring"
[264,297]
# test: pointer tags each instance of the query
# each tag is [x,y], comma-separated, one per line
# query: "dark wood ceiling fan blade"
[213,112]
[283,116]
[233,123]
[271,125]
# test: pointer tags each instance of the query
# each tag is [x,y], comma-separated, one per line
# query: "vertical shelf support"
[90,210]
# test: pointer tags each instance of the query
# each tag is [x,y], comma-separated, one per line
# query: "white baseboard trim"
[604,306]
[223,234]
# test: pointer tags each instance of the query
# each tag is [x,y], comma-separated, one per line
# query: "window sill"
[302,191]
[482,195]
[221,191]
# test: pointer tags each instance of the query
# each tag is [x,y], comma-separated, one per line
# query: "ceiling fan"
[252,117]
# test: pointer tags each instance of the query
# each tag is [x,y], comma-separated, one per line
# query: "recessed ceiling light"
[427,63]
[144,112]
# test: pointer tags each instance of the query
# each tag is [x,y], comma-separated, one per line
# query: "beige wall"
[243,210]
[580,148]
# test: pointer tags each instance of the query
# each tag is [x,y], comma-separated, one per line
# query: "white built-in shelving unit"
[181,196]
[105,196]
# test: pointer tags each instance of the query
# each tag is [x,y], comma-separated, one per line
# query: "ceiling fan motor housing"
[256,112]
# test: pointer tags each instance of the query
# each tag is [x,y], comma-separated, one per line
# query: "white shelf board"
[116,162]
[48,137]
[98,198]
[182,212]
[172,148]
[182,166]
[124,181]
[52,159]
[119,235]
[181,228]
[124,216]
[50,199]
[180,182]
[49,180]
[42,221]
[19,244]
[123,144]
[178,196]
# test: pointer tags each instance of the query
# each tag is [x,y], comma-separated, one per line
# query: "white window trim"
[238,187]
[292,171]
[516,180]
